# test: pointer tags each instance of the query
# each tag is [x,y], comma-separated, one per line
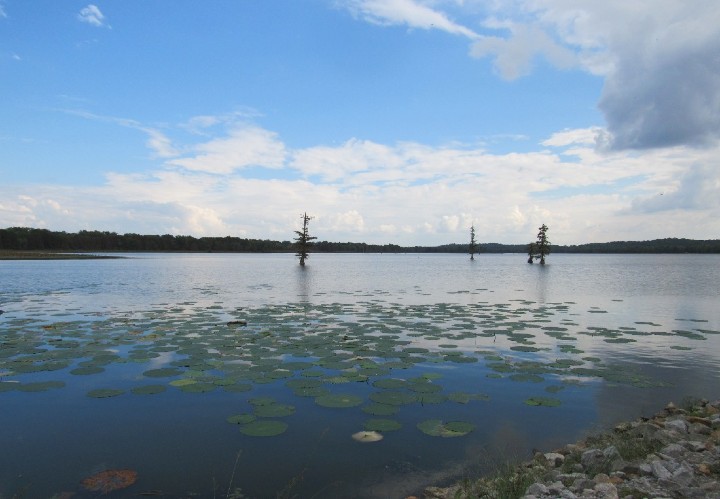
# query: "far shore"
[49,255]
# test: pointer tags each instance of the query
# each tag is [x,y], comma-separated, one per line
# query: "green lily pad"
[274,410]
[392,383]
[241,419]
[391,397]
[380,409]
[532,378]
[148,389]
[264,428]
[198,387]
[544,401]
[436,428]
[164,372]
[40,386]
[338,400]
[182,382]
[382,425]
[102,393]
[85,371]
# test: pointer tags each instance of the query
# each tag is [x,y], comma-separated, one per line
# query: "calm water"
[607,337]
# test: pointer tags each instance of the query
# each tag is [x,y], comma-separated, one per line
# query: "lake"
[246,375]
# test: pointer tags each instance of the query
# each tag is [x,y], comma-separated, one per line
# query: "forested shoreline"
[31,239]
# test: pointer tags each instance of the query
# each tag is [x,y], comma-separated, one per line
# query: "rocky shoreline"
[674,454]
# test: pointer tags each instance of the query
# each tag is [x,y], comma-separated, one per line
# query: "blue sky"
[393,121]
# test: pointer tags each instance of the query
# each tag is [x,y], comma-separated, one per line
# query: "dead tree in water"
[302,241]
[473,243]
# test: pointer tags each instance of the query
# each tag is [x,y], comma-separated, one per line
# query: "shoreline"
[50,255]
[675,453]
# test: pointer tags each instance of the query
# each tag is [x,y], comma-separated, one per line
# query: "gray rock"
[606,491]
[659,471]
[684,474]
[581,484]
[674,450]
[677,425]
[592,459]
[556,487]
[700,429]
[694,446]
[536,489]
[555,459]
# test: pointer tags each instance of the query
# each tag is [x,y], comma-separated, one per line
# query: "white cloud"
[405,193]
[93,16]
[243,147]
[159,143]
[406,12]
[659,61]
[514,56]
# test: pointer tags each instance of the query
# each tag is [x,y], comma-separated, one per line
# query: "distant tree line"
[24,238]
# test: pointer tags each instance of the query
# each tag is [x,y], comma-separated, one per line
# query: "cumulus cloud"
[698,189]
[93,16]
[404,193]
[406,12]
[243,147]
[659,61]
[660,64]
[514,56]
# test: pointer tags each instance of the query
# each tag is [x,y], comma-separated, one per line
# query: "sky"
[388,121]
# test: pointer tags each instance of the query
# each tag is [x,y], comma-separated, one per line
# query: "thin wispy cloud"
[408,13]
[92,15]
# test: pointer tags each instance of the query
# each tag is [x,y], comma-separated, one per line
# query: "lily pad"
[338,400]
[544,401]
[380,409]
[102,393]
[391,397]
[382,425]
[241,419]
[367,436]
[436,428]
[274,410]
[148,389]
[40,386]
[264,428]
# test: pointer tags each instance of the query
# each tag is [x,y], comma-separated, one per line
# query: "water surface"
[607,337]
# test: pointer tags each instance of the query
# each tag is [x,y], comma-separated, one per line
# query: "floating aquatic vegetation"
[527,378]
[436,428]
[338,400]
[109,480]
[198,387]
[382,425]
[102,393]
[274,410]
[367,436]
[264,428]
[689,334]
[544,401]
[392,397]
[380,409]
[241,419]
[554,388]
[164,372]
[148,389]
[40,386]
